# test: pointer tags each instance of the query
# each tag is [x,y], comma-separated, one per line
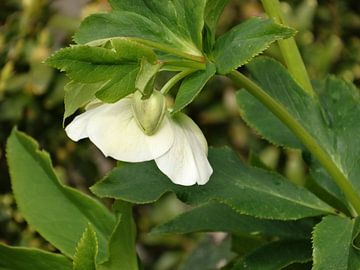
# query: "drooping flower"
[136,130]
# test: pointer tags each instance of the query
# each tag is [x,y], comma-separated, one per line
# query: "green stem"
[174,80]
[277,109]
[180,65]
[288,48]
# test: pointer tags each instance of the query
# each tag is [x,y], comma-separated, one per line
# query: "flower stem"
[301,133]
[174,80]
[288,48]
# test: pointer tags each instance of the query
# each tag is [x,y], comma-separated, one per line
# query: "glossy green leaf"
[250,191]
[59,213]
[192,85]
[18,258]
[86,251]
[332,244]
[276,255]
[122,242]
[78,95]
[246,40]
[331,119]
[213,217]
[177,24]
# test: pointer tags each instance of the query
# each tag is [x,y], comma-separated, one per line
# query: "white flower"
[178,146]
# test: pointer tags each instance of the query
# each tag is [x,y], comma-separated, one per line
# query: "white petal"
[186,162]
[113,129]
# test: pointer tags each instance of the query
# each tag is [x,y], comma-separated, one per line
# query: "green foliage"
[246,40]
[122,241]
[66,212]
[276,255]
[192,85]
[86,251]
[177,24]
[212,217]
[24,259]
[247,190]
[333,244]
[331,119]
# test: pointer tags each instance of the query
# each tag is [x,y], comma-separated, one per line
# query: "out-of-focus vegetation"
[31,97]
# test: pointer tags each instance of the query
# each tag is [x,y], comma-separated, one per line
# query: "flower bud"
[149,112]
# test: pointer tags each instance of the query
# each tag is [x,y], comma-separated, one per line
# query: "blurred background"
[31,98]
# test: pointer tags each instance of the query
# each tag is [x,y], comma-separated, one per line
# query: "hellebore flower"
[136,130]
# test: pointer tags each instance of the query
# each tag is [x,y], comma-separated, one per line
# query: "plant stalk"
[289,49]
[301,133]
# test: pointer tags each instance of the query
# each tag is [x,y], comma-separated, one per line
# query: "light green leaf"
[192,85]
[122,242]
[121,85]
[213,11]
[146,77]
[86,251]
[276,255]
[246,40]
[87,64]
[18,258]
[331,119]
[332,244]
[78,95]
[176,24]
[213,217]
[59,213]
[130,50]
[247,190]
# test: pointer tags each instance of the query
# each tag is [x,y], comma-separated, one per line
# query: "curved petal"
[113,129]
[186,161]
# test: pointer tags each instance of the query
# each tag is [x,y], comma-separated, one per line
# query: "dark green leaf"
[276,255]
[213,11]
[214,217]
[86,251]
[12,258]
[130,50]
[177,24]
[332,244]
[59,213]
[192,85]
[246,40]
[122,242]
[250,191]
[332,119]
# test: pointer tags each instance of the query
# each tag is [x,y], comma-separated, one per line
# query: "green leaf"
[86,251]
[59,213]
[332,244]
[121,85]
[208,254]
[213,11]
[87,64]
[331,119]
[130,50]
[176,24]
[78,95]
[192,85]
[16,258]
[122,242]
[246,40]
[213,217]
[276,255]
[247,190]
